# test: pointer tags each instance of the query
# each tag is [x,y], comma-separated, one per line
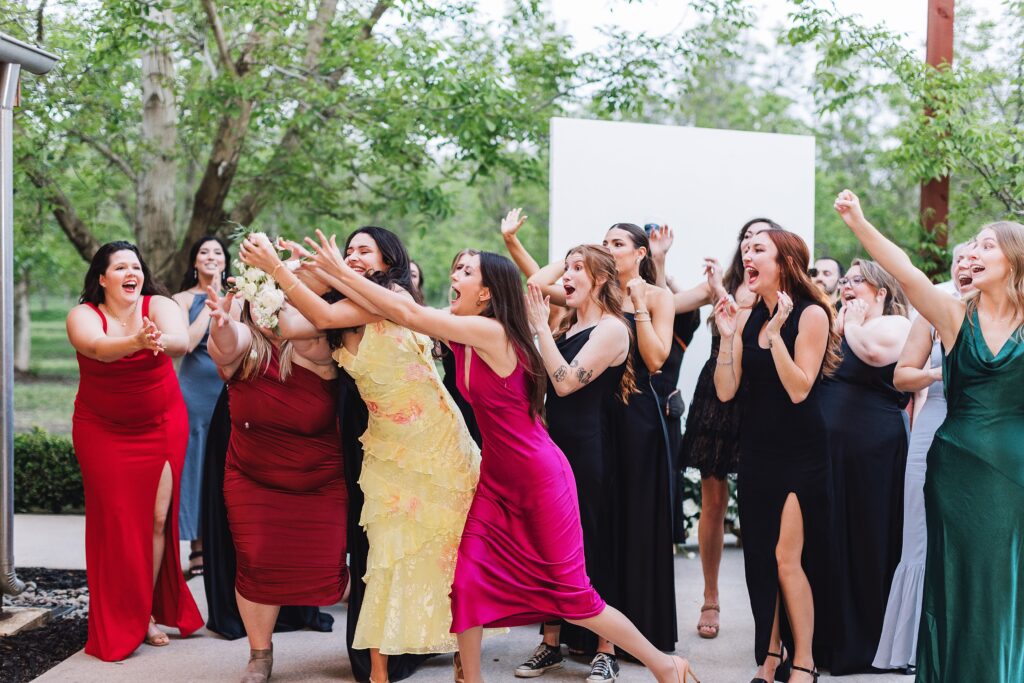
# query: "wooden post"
[935,193]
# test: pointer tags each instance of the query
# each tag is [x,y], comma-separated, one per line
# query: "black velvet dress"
[868,441]
[783,450]
[219,548]
[580,424]
[666,385]
[647,592]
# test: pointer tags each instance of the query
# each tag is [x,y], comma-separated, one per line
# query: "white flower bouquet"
[255,286]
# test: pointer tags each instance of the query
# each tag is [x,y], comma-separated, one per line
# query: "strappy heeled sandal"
[707,630]
[782,671]
[683,670]
[158,639]
[813,672]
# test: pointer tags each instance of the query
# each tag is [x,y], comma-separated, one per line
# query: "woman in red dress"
[284,482]
[130,429]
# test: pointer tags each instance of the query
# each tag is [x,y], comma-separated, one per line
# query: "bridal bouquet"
[257,287]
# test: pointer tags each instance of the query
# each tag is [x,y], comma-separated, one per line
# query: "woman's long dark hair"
[93,293]
[733,276]
[394,255]
[507,305]
[191,277]
[648,271]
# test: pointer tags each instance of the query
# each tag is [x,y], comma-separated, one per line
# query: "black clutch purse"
[675,406]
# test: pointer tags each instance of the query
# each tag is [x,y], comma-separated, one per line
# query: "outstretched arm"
[547,279]
[510,225]
[941,309]
[229,339]
[913,370]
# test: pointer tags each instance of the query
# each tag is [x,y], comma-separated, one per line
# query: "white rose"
[248,290]
[690,508]
[692,475]
[270,299]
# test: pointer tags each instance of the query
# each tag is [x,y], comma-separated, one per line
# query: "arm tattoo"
[584,375]
[560,373]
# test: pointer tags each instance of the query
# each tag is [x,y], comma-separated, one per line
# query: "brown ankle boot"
[260,664]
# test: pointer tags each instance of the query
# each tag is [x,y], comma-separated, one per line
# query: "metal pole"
[9,582]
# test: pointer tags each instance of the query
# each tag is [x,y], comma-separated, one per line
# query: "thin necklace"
[131,312]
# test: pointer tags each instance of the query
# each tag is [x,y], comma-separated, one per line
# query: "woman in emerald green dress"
[972,620]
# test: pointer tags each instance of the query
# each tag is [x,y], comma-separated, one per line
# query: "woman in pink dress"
[521,556]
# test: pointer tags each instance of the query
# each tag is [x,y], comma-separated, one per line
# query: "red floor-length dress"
[284,488]
[129,420]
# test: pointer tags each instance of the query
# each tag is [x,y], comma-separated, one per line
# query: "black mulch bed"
[31,653]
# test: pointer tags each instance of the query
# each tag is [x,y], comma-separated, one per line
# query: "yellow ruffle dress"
[420,470]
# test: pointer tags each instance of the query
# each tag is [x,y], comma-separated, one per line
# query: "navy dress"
[200,386]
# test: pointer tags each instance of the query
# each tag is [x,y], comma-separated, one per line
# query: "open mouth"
[849,296]
[976,269]
[130,286]
[752,275]
[964,279]
[569,289]
[453,295]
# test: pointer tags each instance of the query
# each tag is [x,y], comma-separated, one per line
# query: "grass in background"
[45,398]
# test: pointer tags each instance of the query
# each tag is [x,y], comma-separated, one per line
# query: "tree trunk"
[22,324]
[159,167]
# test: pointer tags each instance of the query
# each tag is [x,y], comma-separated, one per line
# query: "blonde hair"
[896,302]
[257,358]
[1010,238]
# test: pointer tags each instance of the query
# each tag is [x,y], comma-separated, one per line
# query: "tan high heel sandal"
[683,670]
[158,639]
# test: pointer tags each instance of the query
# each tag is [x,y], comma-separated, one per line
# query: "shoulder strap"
[103,318]
[145,305]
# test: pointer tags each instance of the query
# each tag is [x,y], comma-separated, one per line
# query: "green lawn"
[46,398]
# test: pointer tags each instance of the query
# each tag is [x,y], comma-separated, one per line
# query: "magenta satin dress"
[521,556]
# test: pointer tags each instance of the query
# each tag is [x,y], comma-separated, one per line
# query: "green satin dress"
[972,621]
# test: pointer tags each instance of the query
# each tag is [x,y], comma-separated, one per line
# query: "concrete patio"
[57,541]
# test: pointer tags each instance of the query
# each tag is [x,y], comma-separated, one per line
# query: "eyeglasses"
[855,280]
[812,272]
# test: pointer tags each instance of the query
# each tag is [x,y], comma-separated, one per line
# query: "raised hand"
[847,204]
[258,252]
[713,273]
[855,312]
[326,255]
[726,312]
[538,307]
[219,306]
[511,223]
[782,310]
[296,250]
[661,241]
[636,289]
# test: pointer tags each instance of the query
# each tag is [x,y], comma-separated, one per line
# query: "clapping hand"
[726,312]
[782,310]
[148,336]
[258,252]
[848,206]
[220,307]
[636,289]
[713,273]
[511,223]
[538,307]
[855,312]
[661,240]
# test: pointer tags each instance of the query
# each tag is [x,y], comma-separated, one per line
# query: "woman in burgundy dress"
[521,557]
[130,429]
[284,484]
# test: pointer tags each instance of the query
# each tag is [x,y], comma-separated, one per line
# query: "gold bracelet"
[642,316]
[274,269]
[293,286]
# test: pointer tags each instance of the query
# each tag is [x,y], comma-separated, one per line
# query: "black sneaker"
[544,659]
[604,667]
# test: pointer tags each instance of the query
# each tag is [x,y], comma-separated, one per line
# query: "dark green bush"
[46,474]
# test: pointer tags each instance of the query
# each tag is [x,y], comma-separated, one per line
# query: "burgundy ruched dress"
[129,420]
[521,556]
[284,488]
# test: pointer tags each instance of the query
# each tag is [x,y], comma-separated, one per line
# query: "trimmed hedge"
[46,474]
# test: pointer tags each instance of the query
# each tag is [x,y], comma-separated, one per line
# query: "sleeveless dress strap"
[103,318]
[145,305]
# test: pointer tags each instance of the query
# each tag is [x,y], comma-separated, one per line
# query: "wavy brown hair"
[896,302]
[1010,237]
[733,276]
[600,268]
[257,359]
[792,259]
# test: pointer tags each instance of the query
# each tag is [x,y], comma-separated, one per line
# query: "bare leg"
[259,621]
[378,666]
[770,664]
[796,590]
[469,653]
[714,497]
[614,626]
[161,508]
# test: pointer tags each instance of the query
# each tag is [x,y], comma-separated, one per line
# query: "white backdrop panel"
[702,182]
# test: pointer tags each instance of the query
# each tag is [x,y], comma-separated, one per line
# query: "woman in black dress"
[868,440]
[777,354]
[709,442]
[586,361]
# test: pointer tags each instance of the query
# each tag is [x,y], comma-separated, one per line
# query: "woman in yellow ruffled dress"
[420,465]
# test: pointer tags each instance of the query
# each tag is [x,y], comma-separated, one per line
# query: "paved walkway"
[307,656]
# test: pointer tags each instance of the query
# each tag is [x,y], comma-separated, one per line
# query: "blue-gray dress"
[200,385]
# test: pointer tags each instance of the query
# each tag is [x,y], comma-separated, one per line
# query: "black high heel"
[813,672]
[781,671]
